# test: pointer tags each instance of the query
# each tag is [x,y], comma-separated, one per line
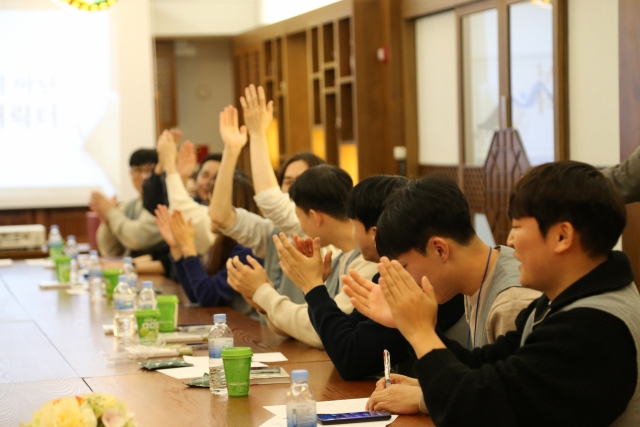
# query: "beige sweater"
[120,234]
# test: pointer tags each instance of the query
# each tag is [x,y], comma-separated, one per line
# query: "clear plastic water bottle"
[129,270]
[301,401]
[147,297]
[94,276]
[71,247]
[124,321]
[220,338]
[55,242]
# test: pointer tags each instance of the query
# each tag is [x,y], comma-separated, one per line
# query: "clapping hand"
[184,234]
[163,220]
[367,298]
[306,272]
[246,279]
[305,247]
[167,151]
[413,308]
[102,204]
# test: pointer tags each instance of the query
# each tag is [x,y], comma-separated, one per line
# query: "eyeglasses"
[142,169]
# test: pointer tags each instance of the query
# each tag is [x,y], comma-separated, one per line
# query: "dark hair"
[367,199]
[242,197]
[323,188]
[143,156]
[431,206]
[216,157]
[574,192]
[309,158]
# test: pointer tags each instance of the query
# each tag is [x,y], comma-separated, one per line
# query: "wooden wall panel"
[70,220]
[629,54]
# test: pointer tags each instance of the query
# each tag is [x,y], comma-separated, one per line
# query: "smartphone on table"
[353,417]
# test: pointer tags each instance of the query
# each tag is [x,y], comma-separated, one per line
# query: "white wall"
[437,83]
[278,10]
[183,18]
[204,76]
[131,21]
[594,116]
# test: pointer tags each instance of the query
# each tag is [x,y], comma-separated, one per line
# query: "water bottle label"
[302,414]
[219,344]
[123,304]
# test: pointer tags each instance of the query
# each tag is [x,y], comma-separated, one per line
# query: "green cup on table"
[237,367]
[168,306]
[63,268]
[148,326]
[110,276]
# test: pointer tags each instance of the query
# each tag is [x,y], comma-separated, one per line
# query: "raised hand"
[176,134]
[184,234]
[246,279]
[414,309]
[234,137]
[167,151]
[305,272]
[258,114]
[187,161]
[367,298]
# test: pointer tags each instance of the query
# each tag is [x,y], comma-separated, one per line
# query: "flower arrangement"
[88,410]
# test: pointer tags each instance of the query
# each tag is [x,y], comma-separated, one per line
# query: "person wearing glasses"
[127,228]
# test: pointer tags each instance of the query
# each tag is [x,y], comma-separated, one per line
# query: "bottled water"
[55,242]
[71,247]
[301,401]
[124,321]
[147,298]
[220,338]
[129,270]
[94,276]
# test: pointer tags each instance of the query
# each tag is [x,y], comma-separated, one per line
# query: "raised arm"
[257,116]
[221,208]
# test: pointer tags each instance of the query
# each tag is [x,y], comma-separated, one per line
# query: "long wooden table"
[52,345]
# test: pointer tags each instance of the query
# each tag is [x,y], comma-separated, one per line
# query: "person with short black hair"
[320,195]
[575,348]
[426,226]
[127,228]
[353,341]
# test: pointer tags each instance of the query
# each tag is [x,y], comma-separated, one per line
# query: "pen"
[387,368]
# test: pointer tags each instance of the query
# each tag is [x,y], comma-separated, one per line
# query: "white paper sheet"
[7,262]
[328,407]
[40,262]
[269,357]
[199,368]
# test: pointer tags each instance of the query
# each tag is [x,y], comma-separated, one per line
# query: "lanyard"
[475,325]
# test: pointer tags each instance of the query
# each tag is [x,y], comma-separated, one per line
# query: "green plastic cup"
[168,306]
[63,268]
[110,276]
[148,326]
[237,367]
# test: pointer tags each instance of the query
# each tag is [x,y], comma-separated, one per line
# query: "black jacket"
[576,368]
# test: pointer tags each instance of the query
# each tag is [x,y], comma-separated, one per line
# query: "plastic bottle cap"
[93,252]
[147,284]
[300,376]
[122,278]
[126,259]
[219,317]
[54,227]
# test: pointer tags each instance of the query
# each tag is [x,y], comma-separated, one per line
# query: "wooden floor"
[52,345]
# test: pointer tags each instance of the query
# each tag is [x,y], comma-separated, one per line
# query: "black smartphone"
[353,417]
